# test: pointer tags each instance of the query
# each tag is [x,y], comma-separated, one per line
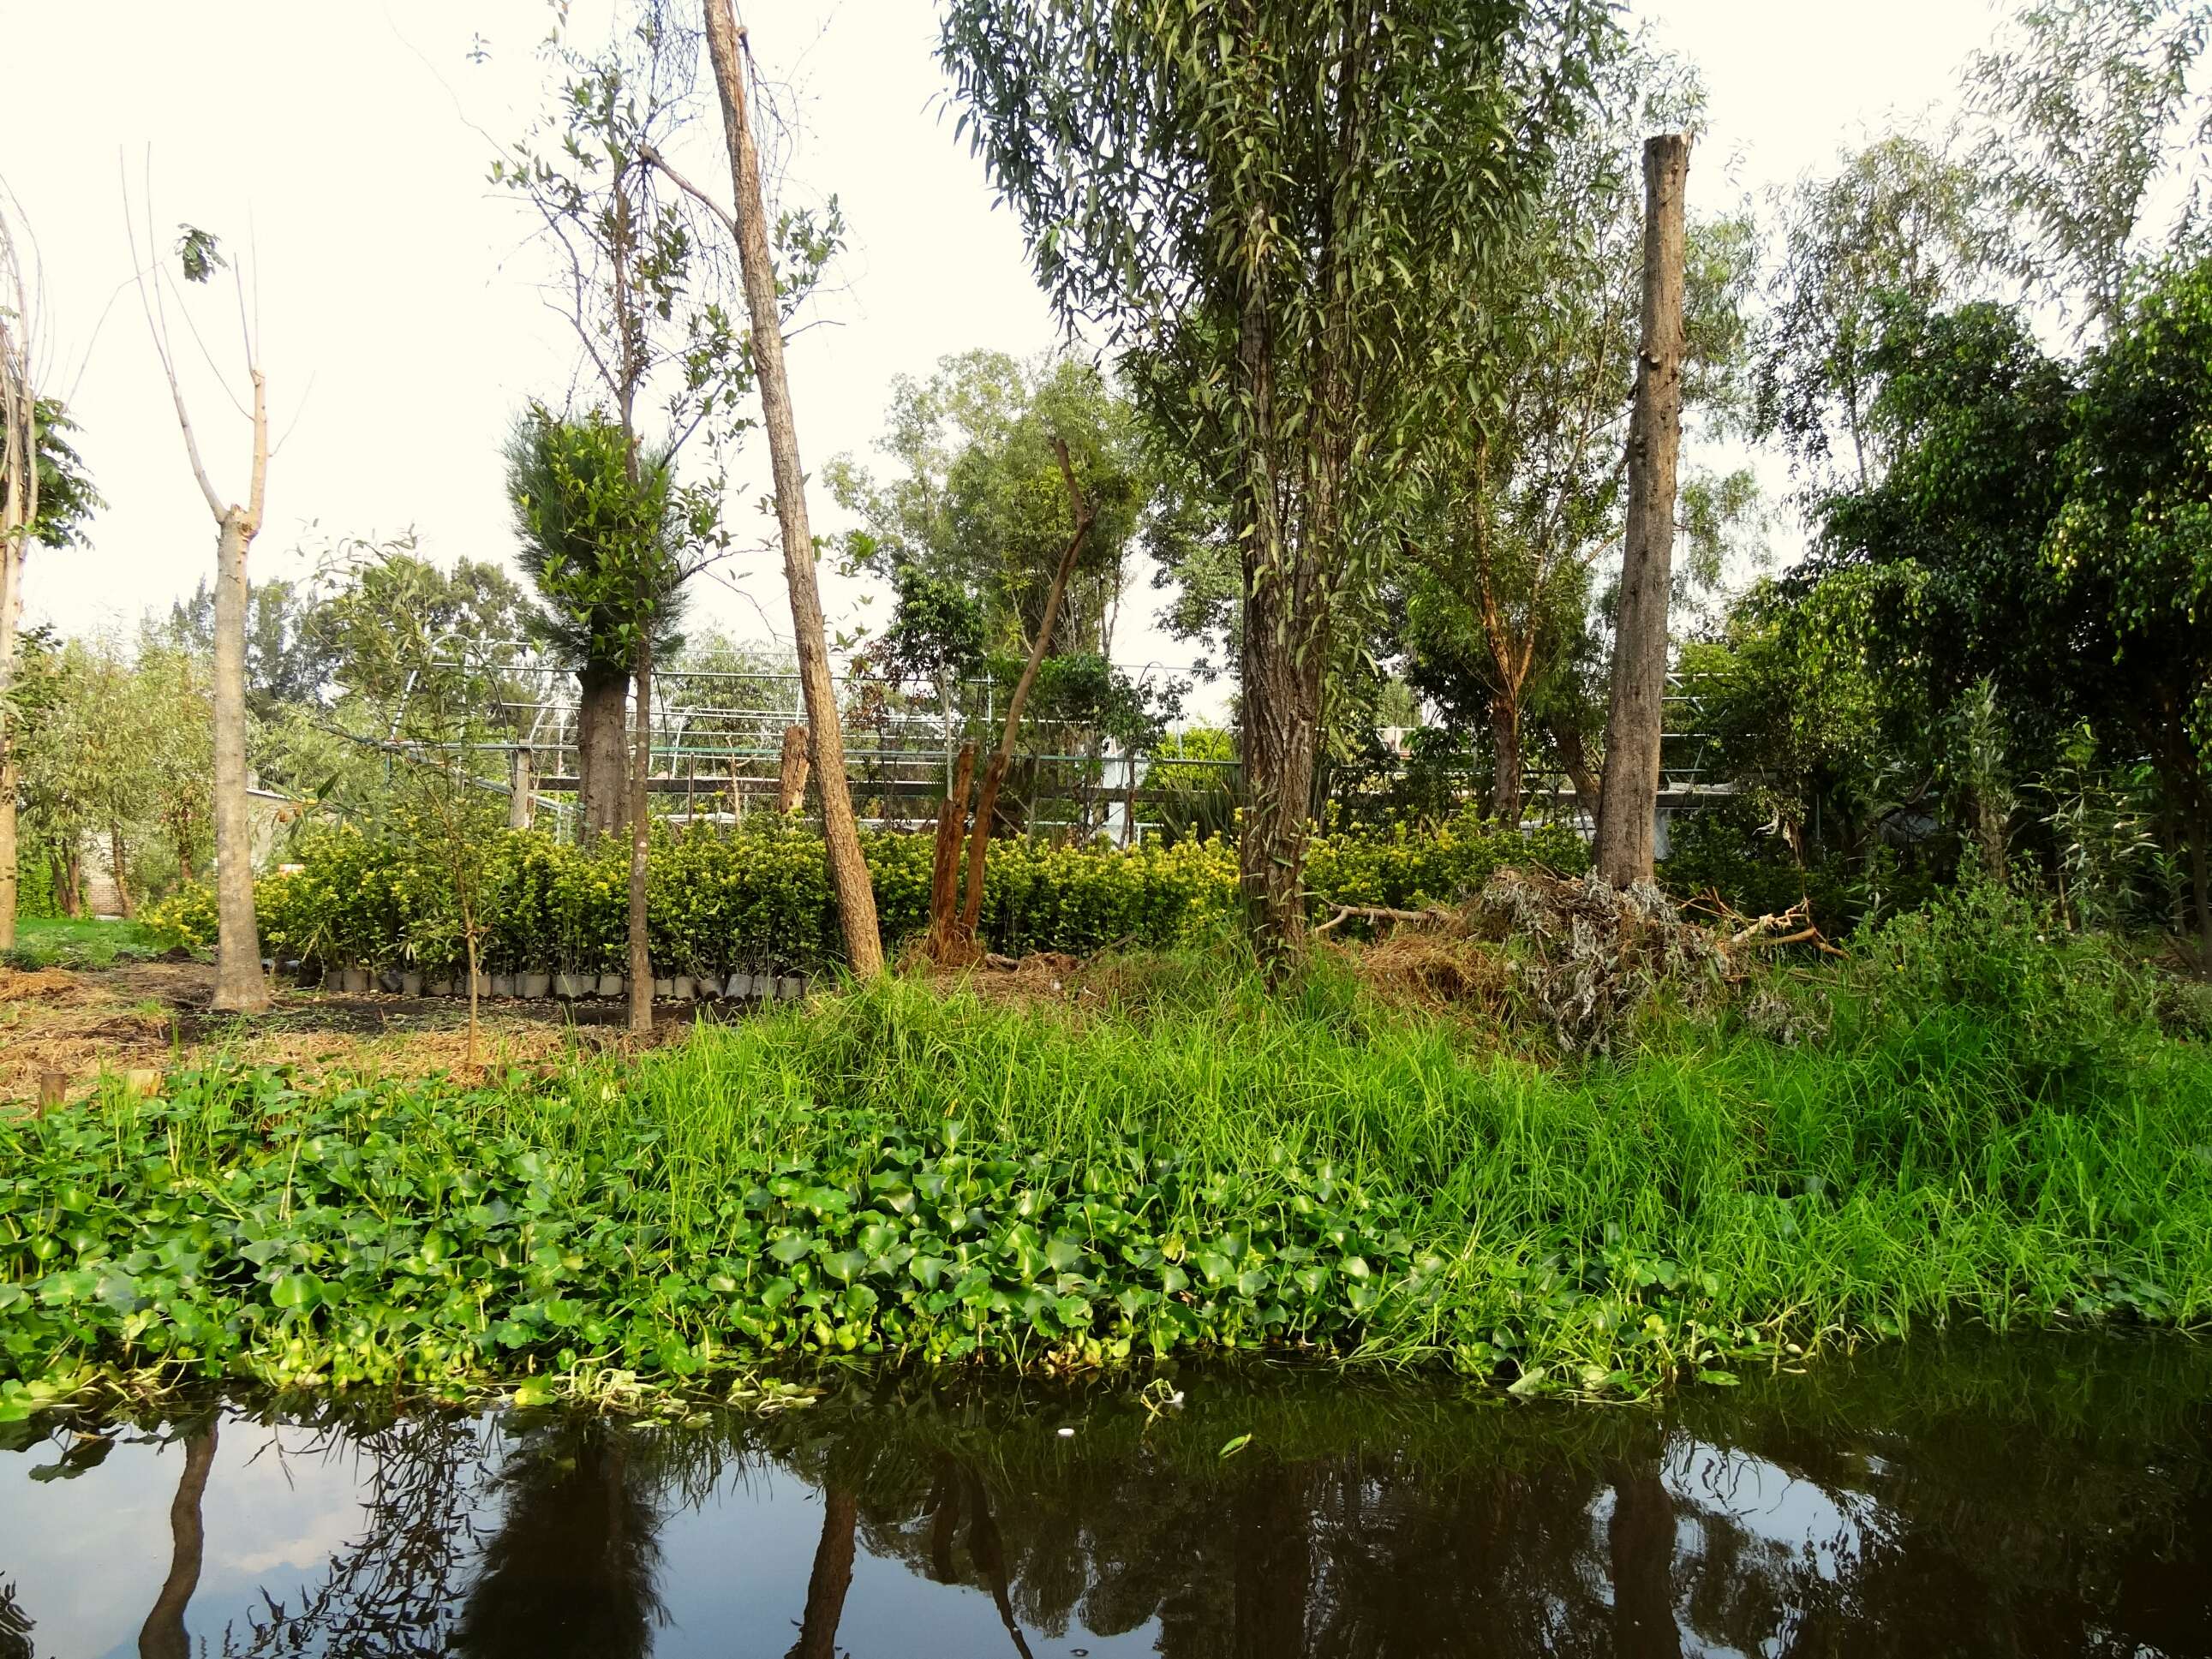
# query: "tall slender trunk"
[2201,881]
[163,1635]
[848,871]
[641,838]
[11,583]
[1574,759]
[240,986]
[118,858]
[602,777]
[64,864]
[1506,752]
[1625,823]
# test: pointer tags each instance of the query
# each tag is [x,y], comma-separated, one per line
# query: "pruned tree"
[1522,466]
[1622,844]
[1263,202]
[240,987]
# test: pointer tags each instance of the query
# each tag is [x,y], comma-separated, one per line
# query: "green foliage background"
[758,898]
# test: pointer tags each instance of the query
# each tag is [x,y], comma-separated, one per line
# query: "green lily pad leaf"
[1723,1379]
[791,1246]
[844,1264]
[1063,1252]
[301,1290]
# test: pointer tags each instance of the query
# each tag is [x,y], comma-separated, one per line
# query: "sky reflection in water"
[2034,1497]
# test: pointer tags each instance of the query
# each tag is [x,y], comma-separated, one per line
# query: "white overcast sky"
[347,145]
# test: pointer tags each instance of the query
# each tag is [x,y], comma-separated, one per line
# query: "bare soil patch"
[89,1023]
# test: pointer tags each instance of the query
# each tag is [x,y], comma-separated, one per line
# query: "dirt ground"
[85,1024]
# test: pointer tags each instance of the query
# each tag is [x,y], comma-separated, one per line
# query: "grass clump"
[1991,1123]
[58,942]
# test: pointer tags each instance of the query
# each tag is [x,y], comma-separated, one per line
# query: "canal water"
[2016,1497]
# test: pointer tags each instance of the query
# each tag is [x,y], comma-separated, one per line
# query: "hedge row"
[758,899]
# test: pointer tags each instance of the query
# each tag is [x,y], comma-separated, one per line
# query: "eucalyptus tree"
[1902,221]
[1266,203]
[2084,103]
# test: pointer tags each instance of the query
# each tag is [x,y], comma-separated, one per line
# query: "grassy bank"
[1968,1121]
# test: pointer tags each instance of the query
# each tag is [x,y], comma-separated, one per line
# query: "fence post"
[522,788]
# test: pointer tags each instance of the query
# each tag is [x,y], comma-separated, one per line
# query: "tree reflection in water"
[570,1570]
[1982,1499]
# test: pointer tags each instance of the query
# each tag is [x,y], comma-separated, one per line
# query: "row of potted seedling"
[530,988]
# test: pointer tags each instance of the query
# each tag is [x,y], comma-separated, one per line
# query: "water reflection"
[2053,1497]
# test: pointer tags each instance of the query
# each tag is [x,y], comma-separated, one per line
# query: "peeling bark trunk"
[1506,750]
[1281,671]
[1624,838]
[848,871]
[240,986]
[945,871]
[791,772]
[601,772]
[1590,790]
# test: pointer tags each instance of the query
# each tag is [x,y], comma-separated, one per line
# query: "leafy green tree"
[979,503]
[1266,203]
[2086,102]
[2131,544]
[1900,222]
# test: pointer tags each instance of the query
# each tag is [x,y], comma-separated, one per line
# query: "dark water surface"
[2029,1497]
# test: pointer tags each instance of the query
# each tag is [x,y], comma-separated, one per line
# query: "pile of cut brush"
[1579,955]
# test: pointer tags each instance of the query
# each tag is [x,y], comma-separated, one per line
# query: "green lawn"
[48,942]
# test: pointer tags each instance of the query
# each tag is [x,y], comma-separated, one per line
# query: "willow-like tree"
[1266,202]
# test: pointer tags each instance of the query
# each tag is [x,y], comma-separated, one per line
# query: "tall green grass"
[1996,1126]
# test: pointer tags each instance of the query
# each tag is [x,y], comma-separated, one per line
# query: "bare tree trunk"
[945,871]
[64,867]
[11,585]
[1624,840]
[240,986]
[163,1635]
[641,839]
[1567,740]
[848,871]
[791,770]
[601,776]
[1506,752]
[117,859]
[994,774]
[521,788]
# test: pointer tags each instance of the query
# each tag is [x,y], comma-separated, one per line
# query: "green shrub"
[188,915]
[758,899]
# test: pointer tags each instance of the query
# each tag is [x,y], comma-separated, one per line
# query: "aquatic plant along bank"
[894,1174]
